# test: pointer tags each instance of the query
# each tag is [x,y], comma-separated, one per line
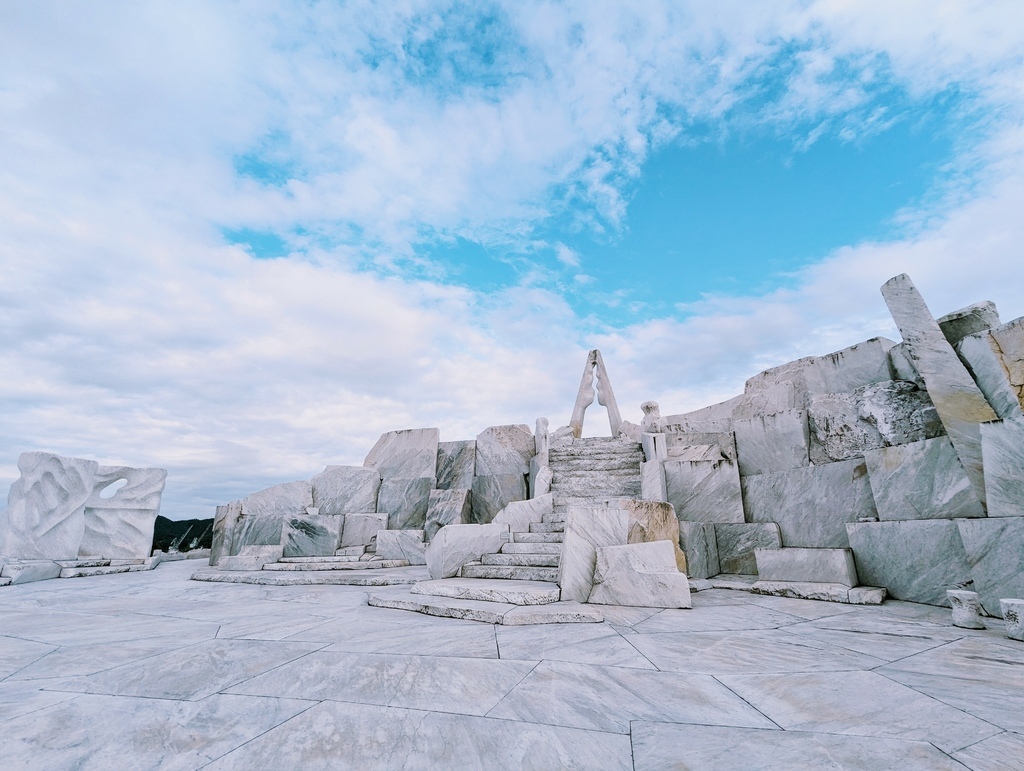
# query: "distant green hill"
[182,534]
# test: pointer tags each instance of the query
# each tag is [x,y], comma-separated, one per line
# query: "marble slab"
[771,443]
[580,644]
[406,454]
[994,550]
[980,352]
[704,490]
[405,501]
[1000,753]
[344,489]
[1002,447]
[448,507]
[518,515]
[455,545]
[493,493]
[361,529]
[456,464]
[278,501]
[639,575]
[504,450]
[736,543]
[811,505]
[312,535]
[405,545]
[830,566]
[700,546]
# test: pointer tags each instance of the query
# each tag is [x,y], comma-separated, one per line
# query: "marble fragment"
[821,566]
[493,493]
[803,590]
[226,519]
[405,545]
[921,480]
[700,547]
[771,443]
[456,465]
[448,507]
[257,530]
[312,535]
[1009,338]
[504,450]
[406,454]
[361,529]
[540,480]
[975,318]
[994,549]
[981,355]
[640,575]
[1013,616]
[405,501]
[916,560]
[1002,448]
[251,557]
[736,543]
[455,545]
[902,367]
[652,481]
[343,489]
[959,402]
[655,446]
[27,571]
[518,515]
[966,609]
[811,505]
[704,490]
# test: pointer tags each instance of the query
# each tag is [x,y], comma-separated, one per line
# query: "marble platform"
[153,670]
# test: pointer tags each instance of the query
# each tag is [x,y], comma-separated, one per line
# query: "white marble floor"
[151,670]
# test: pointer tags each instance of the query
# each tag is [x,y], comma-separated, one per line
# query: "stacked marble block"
[71,517]
[911,455]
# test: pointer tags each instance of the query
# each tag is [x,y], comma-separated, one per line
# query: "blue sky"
[241,242]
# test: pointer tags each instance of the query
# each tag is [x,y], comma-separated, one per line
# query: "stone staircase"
[532,556]
[587,471]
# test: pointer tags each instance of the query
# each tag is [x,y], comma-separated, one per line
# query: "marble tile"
[764,651]
[470,641]
[716,618]
[19,698]
[805,609]
[972,675]
[103,732]
[462,685]
[61,628]
[192,672]
[594,644]
[357,736]
[666,745]
[16,654]
[858,704]
[888,639]
[1004,752]
[79,660]
[608,698]
[276,626]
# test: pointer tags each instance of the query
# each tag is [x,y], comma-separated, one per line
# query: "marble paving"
[152,670]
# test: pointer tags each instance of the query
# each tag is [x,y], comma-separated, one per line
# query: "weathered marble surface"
[1010,340]
[922,480]
[700,546]
[967,610]
[455,545]
[405,545]
[975,318]
[811,505]
[676,442]
[736,544]
[771,443]
[825,566]
[983,359]
[341,489]
[257,530]
[279,501]
[448,507]
[27,571]
[960,404]
[540,479]
[312,535]
[655,446]
[704,490]
[1012,611]
[519,514]
[805,590]
[225,521]
[361,529]
[493,493]
[902,367]
[652,481]
[252,558]
[456,464]
[1002,447]
[491,590]
[405,454]
[502,450]
[915,560]
[640,575]
[994,550]
[405,501]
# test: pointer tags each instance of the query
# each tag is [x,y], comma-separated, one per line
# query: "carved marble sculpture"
[595,379]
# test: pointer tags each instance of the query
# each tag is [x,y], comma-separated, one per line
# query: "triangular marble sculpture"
[595,376]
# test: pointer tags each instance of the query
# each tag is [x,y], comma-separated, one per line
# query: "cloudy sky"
[240,240]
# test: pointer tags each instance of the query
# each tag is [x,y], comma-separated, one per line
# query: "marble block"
[540,479]
[493,493]
[916,560]
[921,480]
[820,566]
[704,490]
[641,575]
[448,507]
[456,465]
[361,529]
[811,505]
[502,450]
[977,317]
[995,558]
[27,571]
[312,535]
[405,545]
[966,607]
[959,402]
[677,442]
[225,521]
[455,545]
[341,489]
[279,501]
[983,359]
[405,454]
[251,557]
[257,530]
[700,547]
[1002,447]
[902,367]
[519,514]
[736,543]
[772,443]
[1013,614]
[652,481]
[405,501]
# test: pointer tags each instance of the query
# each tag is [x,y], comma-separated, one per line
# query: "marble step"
[524,560]
[508,572]
[488,612]
[513,592]
[606,465]
[548,527]
[101,570]
[357,565]
[336,558]
[90,563]
[532,548]
[537,538]
[392,577]
[350,551]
